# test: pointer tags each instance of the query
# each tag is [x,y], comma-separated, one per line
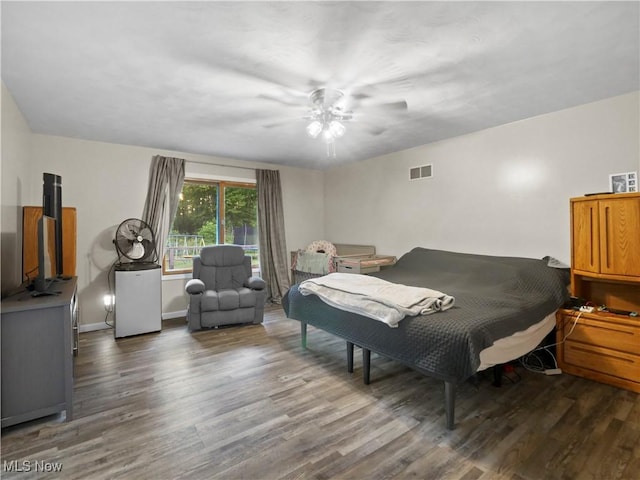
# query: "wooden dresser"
[605,270]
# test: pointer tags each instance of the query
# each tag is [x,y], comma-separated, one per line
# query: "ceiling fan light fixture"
[314,129]
[326,115]
[336,129]
[327,136]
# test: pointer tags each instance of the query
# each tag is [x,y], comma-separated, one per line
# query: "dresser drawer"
[623,337]
[603,360]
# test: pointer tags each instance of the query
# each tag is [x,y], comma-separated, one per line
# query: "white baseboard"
[90,327]
[170,315]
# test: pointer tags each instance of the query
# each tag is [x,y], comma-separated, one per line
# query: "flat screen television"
[52,207]
[47,272]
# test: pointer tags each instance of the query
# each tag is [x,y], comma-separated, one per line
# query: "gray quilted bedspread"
[494,298]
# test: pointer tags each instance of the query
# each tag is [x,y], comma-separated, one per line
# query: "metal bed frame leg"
[366,366]
[449,403]
[497,375]
[350,357]
[303,334]
[449,387]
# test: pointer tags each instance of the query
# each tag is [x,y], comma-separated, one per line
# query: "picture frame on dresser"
[624,182]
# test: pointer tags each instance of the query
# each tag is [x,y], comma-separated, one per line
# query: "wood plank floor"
[249,403]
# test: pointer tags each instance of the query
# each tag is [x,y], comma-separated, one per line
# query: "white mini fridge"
[138,303]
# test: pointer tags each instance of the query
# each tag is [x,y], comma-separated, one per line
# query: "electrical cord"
[26,274]
[526,360]
[106,317]
[109,308]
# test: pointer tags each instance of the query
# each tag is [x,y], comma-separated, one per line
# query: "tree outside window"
[212,213]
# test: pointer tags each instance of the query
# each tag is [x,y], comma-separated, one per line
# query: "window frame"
[221,185]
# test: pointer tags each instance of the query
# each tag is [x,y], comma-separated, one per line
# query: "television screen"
[52,207]
[46,254]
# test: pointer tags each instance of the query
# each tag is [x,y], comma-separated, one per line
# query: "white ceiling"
[214,77]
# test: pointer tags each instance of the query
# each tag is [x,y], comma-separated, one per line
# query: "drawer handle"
[606,236]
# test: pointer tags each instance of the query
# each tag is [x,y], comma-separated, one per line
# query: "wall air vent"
[425,171]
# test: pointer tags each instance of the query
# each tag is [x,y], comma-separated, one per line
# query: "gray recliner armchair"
[222,291]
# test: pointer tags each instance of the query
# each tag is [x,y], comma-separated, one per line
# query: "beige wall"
[107,183]
[14,176]
[501,191]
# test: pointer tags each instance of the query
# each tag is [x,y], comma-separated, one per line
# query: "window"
[212,213]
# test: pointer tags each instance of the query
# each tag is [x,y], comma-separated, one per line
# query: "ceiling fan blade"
[281,123]
[401,105]
[374,130]
[370,103]
[284,101]
[287,96]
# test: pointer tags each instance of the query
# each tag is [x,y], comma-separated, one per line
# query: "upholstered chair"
[223,291]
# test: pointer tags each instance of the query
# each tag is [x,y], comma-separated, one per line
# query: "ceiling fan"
[330,108]
[327,115]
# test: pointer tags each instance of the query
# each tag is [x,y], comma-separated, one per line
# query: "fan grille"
[135,241]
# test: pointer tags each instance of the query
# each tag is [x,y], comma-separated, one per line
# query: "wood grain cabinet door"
[585,242]
[620,236]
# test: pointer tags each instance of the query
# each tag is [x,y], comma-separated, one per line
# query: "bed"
[502,306]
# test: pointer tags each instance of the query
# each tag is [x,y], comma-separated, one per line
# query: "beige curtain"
[273,250]
[166,176]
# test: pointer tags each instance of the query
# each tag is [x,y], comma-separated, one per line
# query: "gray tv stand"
[39,340]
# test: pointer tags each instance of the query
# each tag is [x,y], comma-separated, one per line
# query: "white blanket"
[375,298]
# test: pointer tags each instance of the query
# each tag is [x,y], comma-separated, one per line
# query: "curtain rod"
[221,165]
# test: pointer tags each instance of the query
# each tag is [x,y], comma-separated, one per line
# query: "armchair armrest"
[255,283]
[194,286]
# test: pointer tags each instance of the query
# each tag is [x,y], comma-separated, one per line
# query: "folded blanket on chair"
[375,298]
